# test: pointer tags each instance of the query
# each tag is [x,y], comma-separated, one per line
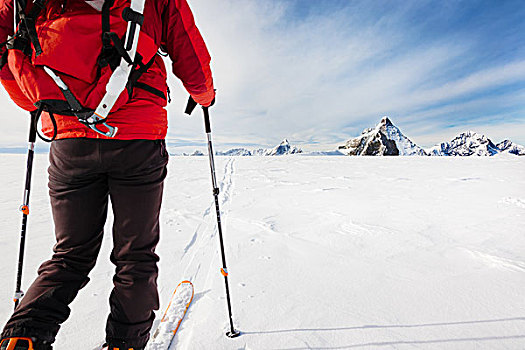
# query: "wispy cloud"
[323,76]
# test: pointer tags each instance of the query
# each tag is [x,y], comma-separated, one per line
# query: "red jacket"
[68,47]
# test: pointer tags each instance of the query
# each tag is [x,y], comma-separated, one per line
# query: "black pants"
[83,174]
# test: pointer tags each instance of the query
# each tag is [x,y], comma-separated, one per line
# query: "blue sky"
[319,72]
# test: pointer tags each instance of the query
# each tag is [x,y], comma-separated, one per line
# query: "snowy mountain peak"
[243,152]
[507,146]
[504,145]
[385,140]
[386,122]
[472,135]
[283,148]
[467,143]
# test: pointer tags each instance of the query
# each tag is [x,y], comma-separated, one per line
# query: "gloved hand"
[190,106]
[212,103]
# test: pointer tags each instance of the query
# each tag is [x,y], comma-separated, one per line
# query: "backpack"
[80,58]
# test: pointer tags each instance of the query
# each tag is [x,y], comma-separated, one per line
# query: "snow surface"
[323,252]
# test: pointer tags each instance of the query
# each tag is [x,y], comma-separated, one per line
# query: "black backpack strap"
[118,46]
[28,23]
[107,49]
[113,49]
[137,73]
[149,89]
[26,33]
[3,59]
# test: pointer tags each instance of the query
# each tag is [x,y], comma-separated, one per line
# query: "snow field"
[323,252]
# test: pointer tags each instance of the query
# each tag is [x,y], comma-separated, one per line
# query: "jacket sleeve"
[184,44]
[6,29]
[6,77]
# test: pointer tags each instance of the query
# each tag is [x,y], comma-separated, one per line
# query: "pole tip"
[233,334]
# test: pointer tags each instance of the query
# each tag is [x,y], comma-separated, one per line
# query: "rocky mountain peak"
[283,148]
[383,140]
[507,146]
[386,122]
[466,144]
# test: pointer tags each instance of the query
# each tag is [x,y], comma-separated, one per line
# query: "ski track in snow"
[198,234]
[499,262]
[204,246]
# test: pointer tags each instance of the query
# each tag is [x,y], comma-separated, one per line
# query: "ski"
[172,318]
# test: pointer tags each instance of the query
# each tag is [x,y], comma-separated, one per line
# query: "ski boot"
[22,343]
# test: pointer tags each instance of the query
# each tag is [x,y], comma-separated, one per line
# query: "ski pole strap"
[35,117]
[224,272]
[55,129]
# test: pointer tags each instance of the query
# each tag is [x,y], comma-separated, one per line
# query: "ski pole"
[24,208]
[232,333]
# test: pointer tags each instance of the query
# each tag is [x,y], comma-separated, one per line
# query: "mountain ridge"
[386,139]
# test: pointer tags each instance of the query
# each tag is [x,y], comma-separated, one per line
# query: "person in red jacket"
[87,168]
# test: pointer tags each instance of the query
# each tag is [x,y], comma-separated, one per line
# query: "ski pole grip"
[190,106]
[35,116]
[207,119]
